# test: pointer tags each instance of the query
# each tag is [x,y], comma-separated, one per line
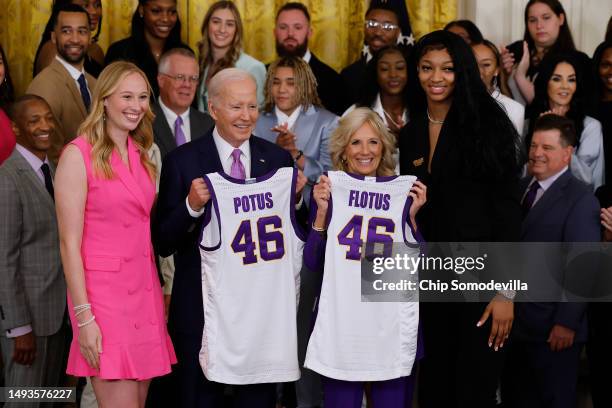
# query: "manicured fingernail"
[490,344]
[496,348]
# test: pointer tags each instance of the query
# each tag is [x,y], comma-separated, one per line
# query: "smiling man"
[33,291]
[381,30]
[229,147]
[64,84]
[175,121]
[542,361]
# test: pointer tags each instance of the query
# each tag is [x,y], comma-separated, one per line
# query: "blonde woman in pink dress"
[104,189]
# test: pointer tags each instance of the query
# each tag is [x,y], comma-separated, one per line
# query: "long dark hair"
[597,56]
[138,34]
[541,102]
[470,28]
[565,41]
[46,35]
[483,134]
[7,92]
[370,87]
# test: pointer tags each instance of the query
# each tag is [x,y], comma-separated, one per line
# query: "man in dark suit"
[175,121]
[182,197]
[33,290]
[381,30]
[542,362]
[292,32]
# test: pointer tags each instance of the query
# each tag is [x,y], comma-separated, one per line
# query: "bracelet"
[83,306]
[299,156]
[82,311]
[318,229]
[79,325]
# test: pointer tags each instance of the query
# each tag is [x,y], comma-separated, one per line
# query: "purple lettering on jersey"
[371,200]
[253,202]
[385,237]
[274,237]
[269,202]
[350,236]
[243,242]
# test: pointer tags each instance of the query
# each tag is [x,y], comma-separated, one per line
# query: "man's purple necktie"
[529,198]
[237,170]
[179,135]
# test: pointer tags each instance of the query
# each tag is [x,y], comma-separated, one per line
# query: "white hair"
[220,79]
[164,61]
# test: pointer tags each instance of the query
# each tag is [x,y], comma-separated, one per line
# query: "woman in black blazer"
[463,146]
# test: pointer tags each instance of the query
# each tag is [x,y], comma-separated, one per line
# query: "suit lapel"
[196,123]
[209,153]
[126,176]
[259,164]
[69,82]
[23,167]
[164,133]
[304,126]
[546,202]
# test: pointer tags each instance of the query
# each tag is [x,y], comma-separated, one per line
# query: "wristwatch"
[299,156]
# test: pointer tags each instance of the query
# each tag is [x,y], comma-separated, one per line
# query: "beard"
[298,51]
[73,59]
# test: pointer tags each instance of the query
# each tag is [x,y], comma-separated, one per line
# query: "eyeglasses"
[194,79]
[371,24]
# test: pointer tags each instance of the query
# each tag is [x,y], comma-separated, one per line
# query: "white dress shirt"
[290,120]
[307,56]
[171,119]
[224,149]
[75,74]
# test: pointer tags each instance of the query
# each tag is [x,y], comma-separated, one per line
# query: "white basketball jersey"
[354,340]
[251,250]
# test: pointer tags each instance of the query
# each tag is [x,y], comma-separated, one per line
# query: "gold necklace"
[435,122]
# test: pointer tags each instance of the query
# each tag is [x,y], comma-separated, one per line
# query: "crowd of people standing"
[140,185]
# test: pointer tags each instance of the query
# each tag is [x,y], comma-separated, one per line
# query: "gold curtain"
[337,25]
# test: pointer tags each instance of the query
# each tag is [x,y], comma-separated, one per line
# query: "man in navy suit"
[182,197]
[542,362]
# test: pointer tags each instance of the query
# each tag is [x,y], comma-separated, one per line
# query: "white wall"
[501,21]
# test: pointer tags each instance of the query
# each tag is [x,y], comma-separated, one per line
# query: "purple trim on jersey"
[379,179]
[301,234]
[207,215]
[241,181]
[406,220]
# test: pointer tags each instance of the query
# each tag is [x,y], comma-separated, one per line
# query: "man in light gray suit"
[33,290]
[294,119]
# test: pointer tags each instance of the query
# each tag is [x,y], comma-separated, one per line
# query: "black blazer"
[353,77]
[199,123]
[330,87]
[459,208]
[567,212]
[176,232]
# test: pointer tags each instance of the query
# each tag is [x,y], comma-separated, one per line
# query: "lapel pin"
[418,162]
